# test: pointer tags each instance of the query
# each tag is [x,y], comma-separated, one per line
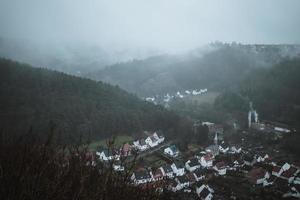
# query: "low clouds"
[157,24]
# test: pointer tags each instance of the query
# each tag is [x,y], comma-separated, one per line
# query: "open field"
[154,161]
[118,141]
[208,97]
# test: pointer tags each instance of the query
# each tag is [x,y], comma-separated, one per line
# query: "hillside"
[273,91]
[39,98]
[216,67]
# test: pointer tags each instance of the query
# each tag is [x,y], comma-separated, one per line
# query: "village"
[221,170]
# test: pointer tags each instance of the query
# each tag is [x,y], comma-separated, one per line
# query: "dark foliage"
[31,170]
[35,97]
[221,67]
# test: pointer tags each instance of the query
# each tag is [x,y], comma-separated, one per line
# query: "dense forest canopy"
[216,67]
[275,93]
[39,98]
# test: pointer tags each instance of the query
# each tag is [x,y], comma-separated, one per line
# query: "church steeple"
[216,139]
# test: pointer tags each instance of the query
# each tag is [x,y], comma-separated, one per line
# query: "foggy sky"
[161,24]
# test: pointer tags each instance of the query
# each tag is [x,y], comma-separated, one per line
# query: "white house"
[141,177]
[236,149]
[171,151]
[207,160]
[106,155]
[118,167]
[262,157]
[221,168]
[238,163]
[151,141]
[167,171]
[159,136]
[204,192]
[297,179]
[178,168]
[223,148]
[182,181]
[192,165]
[140,145]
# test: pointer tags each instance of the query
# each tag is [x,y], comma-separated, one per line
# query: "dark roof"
[182,179]
[194,162]
[276,169]
[153,139]
[199,172]
[179,164]
[249,158]
[172,182]
[167,168]
[142,142]
[158,173]
[246,168]
[173,148]
[160,133]
[191,177]
[204,193]
[139,175]
[221,165]
[290,172]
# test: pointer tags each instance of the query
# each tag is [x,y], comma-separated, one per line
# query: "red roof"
[155,184]
[126,148]
[256,173]
[191,177]
[276,169]
[158,173]
[208,157]
[289,173]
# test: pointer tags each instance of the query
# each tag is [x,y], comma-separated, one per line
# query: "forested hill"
[37,98]
[275,93]
[216,67]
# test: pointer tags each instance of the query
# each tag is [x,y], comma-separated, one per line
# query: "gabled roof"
[160,134]
[276,169]
[153,139]
[172,183]
[191,177]
[199,172]
[204,193]
[289,173]
[179,164]
[126,147]
[142,142]
[221,165]
[173,148]
[141,175]
[167,168]
[194,162]
[158,173]
[208,157]
[182,179]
